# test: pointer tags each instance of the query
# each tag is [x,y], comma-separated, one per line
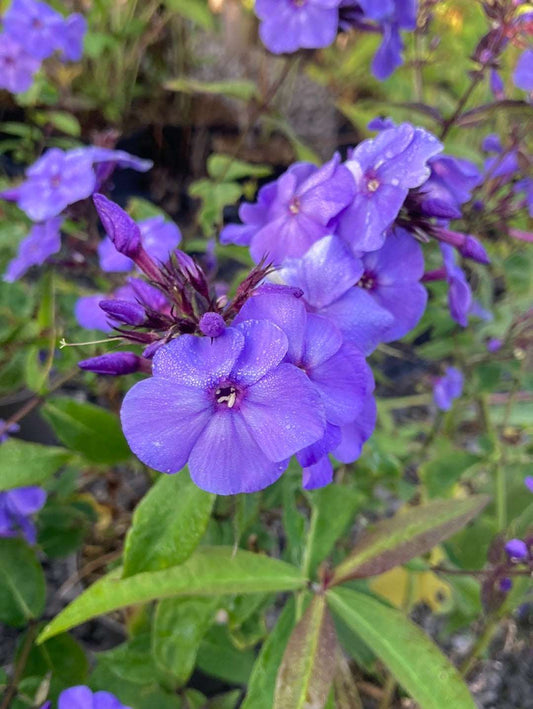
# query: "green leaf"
[22,584]
[333,508]
[179,626]
[87,429]
[146,696]
[308,666]
[262,684]
[64,658]
[209,572]
[215,196]
[195,10]
[62,528]
[395,541]
[132,661]
[412,658]
[233,88]
[440,474]
[167,524]
[218,657]
[228,168]
[23,464]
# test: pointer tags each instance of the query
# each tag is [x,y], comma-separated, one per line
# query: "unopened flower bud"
[115,363]
[212,324]
[124,311]
[119,226]
[472,249]
[516,549]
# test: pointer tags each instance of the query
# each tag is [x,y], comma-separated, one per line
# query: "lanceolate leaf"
[306,673]
[22,584]
[414,660]
[262,684]
[406,536]
[211,571]
[167,525]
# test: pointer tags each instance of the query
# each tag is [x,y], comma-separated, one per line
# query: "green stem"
[479,647]
[11,690]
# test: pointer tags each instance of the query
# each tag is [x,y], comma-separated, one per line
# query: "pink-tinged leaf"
[308,666]
[395,541]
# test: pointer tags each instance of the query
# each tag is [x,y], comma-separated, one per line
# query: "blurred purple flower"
[13,428]
[523,75]
[42,241]
[17,67]
[294,212]
[452,180]
[494,344]
[16,507]
[459,291]
[289,25]
[81,697]
[60,178]
[89,315]
[528,482]
[35,25]
[227,406]
[384,169]
[72,36]
[158,237]
[448,388]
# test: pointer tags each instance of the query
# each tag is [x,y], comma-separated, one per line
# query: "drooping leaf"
[178,629]
[167,524]
[413,659]
[406,536]
[23,463]
[234,88]
[308,666]
[333,508]
[209,571]
[22,584]
[87,429]
[260,694]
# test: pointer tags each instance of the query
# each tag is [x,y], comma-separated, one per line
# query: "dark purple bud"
[516,550]
[124,311]
[119,226]
[11,194]
[152,348]
[115,363]
[471,248]
[186,263]
[440,209]
[505,585]
[212,324]
[494,344]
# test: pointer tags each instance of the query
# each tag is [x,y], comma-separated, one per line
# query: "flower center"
[373,185]
[299,3]
[294,206]
[367,281]
[226,395]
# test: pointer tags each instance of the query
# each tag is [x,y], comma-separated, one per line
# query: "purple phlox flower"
[526,186]
[289,25]
[42,241]
[227,406]
[158,237]
[16,508]
[391,17]
[60,178]
[528,482]
[107,159]
[35,25]
[384,169]
[17,67]
[72,36]
[82,697]
[460,301]
[381,123]
[13,428]
[116,364]
[516,550]
[285,223]
[452,180]
[505,584]
[448,388]
[504,164]
[90,315]
[328,275]
[523,74]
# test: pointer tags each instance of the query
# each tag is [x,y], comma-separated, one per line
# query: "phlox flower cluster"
[31,32]
[239,386]
[289,25]
[55,182]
